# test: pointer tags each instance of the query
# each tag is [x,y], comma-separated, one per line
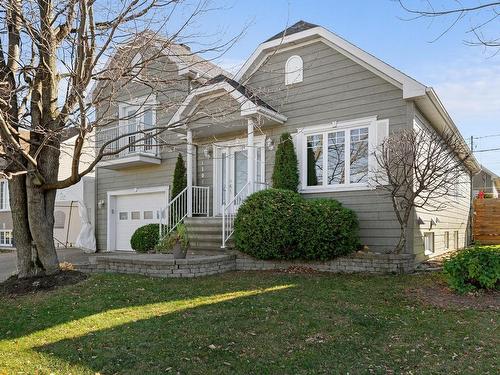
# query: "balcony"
[134,146]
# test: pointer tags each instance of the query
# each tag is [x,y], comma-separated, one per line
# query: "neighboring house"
[5,216]
[336,100]
[487,182]
[74,206]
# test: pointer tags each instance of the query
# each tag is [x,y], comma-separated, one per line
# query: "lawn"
[244,323]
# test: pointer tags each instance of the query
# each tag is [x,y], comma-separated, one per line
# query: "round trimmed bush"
[145,238]
[474,268]
[265,225]
[280,224]
[328,230]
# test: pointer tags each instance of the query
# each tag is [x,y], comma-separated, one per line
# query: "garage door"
[134,211]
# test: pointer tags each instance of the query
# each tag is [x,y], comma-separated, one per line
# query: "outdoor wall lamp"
[101,204]
[270,144]
[207,152]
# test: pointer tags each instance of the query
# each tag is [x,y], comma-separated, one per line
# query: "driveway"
[8,260]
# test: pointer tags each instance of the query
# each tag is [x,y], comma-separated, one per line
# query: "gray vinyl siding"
[454,217]
[335,88]
[170,90]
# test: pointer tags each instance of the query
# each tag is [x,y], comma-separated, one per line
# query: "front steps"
[205,233]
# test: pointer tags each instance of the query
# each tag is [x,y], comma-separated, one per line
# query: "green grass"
[243,323]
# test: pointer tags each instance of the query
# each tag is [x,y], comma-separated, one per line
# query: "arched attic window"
[294,70]
[135,65]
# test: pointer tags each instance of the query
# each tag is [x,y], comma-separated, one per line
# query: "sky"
[466,78]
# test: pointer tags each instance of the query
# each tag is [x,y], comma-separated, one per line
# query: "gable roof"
[245,91]
[180,54]
[303,32]
[295,28]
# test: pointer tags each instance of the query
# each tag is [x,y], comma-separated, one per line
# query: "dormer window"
[294,70]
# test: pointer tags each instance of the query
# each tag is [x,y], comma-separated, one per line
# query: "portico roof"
[250,104]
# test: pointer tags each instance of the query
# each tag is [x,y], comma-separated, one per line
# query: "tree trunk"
[402,240]
[26,260]
[41,220]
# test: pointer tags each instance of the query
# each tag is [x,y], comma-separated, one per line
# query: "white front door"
[231,172]
[134,211]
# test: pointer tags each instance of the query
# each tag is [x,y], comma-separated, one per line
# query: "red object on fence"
[480,195]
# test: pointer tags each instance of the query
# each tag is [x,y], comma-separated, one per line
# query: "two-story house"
[338,102]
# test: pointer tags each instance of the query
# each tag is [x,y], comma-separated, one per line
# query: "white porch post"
[250,156]
[189,172]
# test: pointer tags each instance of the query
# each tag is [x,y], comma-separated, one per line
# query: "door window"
[240,170]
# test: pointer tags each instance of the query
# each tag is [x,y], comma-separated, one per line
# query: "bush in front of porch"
[145,238]
[286,170]
[280,224]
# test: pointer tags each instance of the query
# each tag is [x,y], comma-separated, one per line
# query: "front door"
[231,166]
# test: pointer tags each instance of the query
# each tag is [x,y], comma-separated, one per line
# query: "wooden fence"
[486,223]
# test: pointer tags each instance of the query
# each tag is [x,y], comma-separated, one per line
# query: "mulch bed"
[439,295]
[15,287]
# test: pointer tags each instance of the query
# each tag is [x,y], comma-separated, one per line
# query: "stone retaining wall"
[164,266]
[358,262]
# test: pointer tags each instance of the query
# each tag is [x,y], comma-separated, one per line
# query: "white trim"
[247,107]
[347,126]
[259,142]
[135,159]
[7,196]
[411,87]
[294,74]
[10,237]
[111,205]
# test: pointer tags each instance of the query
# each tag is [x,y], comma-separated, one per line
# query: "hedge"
[145,238]
[328,230]
[264,224]
[280,224]
[474,268]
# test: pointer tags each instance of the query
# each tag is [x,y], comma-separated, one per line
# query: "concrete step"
[203,220]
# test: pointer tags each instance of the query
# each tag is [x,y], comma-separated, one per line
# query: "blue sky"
[466,78]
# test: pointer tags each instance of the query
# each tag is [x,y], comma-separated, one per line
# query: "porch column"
[189,172]
[251,156]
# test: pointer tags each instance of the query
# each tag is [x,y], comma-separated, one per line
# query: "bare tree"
[420,168]
[61,59]
[483,19]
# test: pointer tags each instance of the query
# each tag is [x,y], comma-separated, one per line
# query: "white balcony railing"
[128,140]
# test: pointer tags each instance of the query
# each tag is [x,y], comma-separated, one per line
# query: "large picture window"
[337,157]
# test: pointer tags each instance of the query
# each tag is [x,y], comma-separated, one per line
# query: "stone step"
[205,237]
[208,244]
[203,220]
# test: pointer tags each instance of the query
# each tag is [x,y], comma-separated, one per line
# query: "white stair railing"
[229,213]
[177,208]
[229,210]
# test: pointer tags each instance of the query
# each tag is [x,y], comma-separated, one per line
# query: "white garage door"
[134,211]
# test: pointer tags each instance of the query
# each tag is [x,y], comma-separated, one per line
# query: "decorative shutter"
[380,133]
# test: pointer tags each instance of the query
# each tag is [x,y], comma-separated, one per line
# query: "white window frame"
[429,243]
[324,129]
[4,204]
[3,243]
[456,239]
[294,73]
[140,105]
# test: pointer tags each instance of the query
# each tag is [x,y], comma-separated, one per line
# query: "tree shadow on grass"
[103,292]
[249,331]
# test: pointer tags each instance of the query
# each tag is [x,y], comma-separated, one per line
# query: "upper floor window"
[4,196]
[294,70]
